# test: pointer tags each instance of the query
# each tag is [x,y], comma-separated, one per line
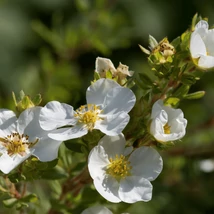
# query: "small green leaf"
[188,79]
[181,91]
[54,173]
[195,95]
[9,203]
[176,42]
[145,79]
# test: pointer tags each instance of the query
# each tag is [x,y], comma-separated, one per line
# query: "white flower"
[120,174]
[167,124]
[97,210]
[202,45]
[107,109]
[20,138]
[102,65]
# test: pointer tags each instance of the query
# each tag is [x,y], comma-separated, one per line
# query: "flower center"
[88,114]
[17,144]
[119,167]
[167,129]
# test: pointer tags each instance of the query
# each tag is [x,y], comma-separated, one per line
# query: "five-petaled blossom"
[20,138]
[107,109]
[168,124]
[121,174]
[202,45]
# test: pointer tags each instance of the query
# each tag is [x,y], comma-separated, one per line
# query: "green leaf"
[195,95]
[54,173]
[9,203]
[181,91]
[74,145]
[145,79]
[188,79]
[176,42]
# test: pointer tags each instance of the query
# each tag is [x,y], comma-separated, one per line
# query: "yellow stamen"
[119,167]
[88,114]
[17,144]
[167,129]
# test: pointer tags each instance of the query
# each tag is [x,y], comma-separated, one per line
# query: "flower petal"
[46,149]
[8,163]
[113,145]
[97,161]
[7,117]
[209,41]
[146,162]
[113,124]
[108,188]
[28,123]
[197,46]
[56,114]
[134,189]
[102,65]
[96,93]
[63,134]
[206,62]
[97,210]
[119,99]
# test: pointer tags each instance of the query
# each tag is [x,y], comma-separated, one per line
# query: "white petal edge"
[112,124]
[118,99]
[96,93]
[7,163]
[113,145]
[197,46]
[108,188]
[64,134]
[46,149]
[134,189]
[97,210]
[56,114]
[97,162]
[146,162]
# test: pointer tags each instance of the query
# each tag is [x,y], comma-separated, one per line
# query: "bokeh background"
[50,47]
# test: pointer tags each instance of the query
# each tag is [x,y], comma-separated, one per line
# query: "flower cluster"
[124,160]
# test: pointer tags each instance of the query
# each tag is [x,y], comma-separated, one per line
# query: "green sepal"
[96,76]
[172,101]
[144,50]
[108,74]
[37,99]
[145,79]
[176,42]
[181,91]
[188,79]
[195,95]
[152,42]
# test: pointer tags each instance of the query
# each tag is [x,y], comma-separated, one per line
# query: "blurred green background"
[50,47]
